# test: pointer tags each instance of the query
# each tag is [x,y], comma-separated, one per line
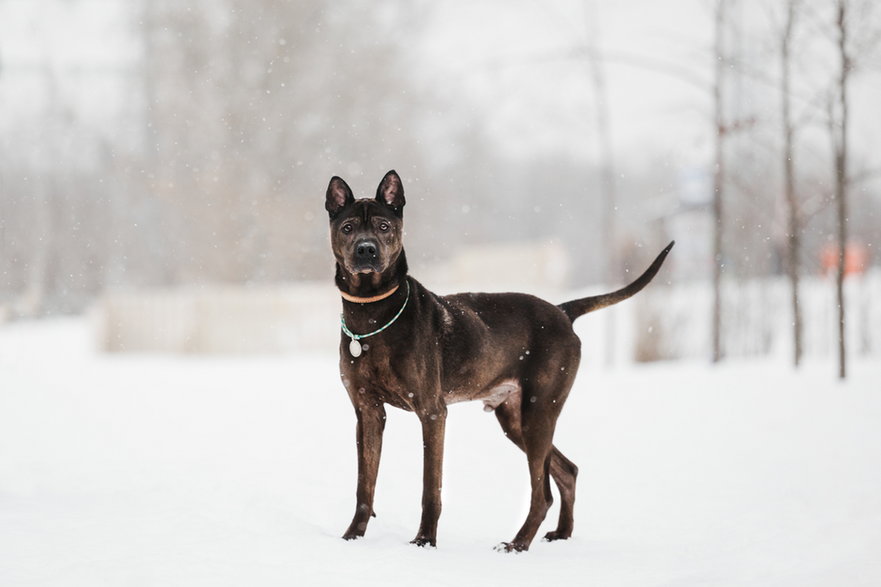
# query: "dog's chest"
[374,376]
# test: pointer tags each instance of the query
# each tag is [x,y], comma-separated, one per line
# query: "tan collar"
[357,300]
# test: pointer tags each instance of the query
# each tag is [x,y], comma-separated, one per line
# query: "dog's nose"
[365,250]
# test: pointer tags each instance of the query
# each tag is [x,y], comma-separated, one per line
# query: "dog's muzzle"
[366,256]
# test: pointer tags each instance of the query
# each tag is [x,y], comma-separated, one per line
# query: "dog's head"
[366,234]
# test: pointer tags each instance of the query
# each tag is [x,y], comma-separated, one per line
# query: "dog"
[404,346]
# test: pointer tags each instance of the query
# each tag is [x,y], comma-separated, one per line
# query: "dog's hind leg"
[531,427]
[508,415]
[564,473]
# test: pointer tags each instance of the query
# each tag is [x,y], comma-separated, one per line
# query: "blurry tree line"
[240,110]
[826,197]
[237,114]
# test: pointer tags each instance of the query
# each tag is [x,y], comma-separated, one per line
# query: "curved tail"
[577,308]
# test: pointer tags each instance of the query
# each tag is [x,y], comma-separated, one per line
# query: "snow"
[163,470]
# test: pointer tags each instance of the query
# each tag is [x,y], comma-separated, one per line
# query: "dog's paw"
[556,535]
[511,547]
[357,528]
[355,531]
[424,542]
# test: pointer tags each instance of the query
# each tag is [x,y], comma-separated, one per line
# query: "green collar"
[354,345]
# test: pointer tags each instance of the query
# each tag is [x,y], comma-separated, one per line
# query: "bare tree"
[718,175]
[855,37]
[838,134]
[793,225]
[722,129]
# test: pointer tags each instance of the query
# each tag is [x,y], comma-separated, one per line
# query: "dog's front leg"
[371,423]
[433,424]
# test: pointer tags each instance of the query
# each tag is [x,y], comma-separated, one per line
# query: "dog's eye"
[347,228]
[384,227]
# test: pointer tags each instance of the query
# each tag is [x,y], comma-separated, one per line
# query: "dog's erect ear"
[391,192]
[339,195]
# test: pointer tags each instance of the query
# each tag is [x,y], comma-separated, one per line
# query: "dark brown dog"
[404,346]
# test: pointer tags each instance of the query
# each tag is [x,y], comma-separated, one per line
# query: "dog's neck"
[368,299]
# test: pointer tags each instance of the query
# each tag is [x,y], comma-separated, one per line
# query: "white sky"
[497,55]
[505,61]
[502,60]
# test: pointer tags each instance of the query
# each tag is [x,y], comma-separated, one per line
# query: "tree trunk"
[718,183]
[839,140]
[793,236]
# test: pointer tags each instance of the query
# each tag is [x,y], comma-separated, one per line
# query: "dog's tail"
[577,308]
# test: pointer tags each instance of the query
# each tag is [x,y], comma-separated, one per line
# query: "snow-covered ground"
[162,470]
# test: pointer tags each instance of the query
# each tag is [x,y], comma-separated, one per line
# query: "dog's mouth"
[366,268]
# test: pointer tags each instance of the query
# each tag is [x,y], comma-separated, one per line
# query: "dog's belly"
[492,396]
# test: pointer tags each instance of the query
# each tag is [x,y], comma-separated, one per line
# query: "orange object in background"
[856,259]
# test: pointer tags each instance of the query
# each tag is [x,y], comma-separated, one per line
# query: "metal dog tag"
[355,348]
